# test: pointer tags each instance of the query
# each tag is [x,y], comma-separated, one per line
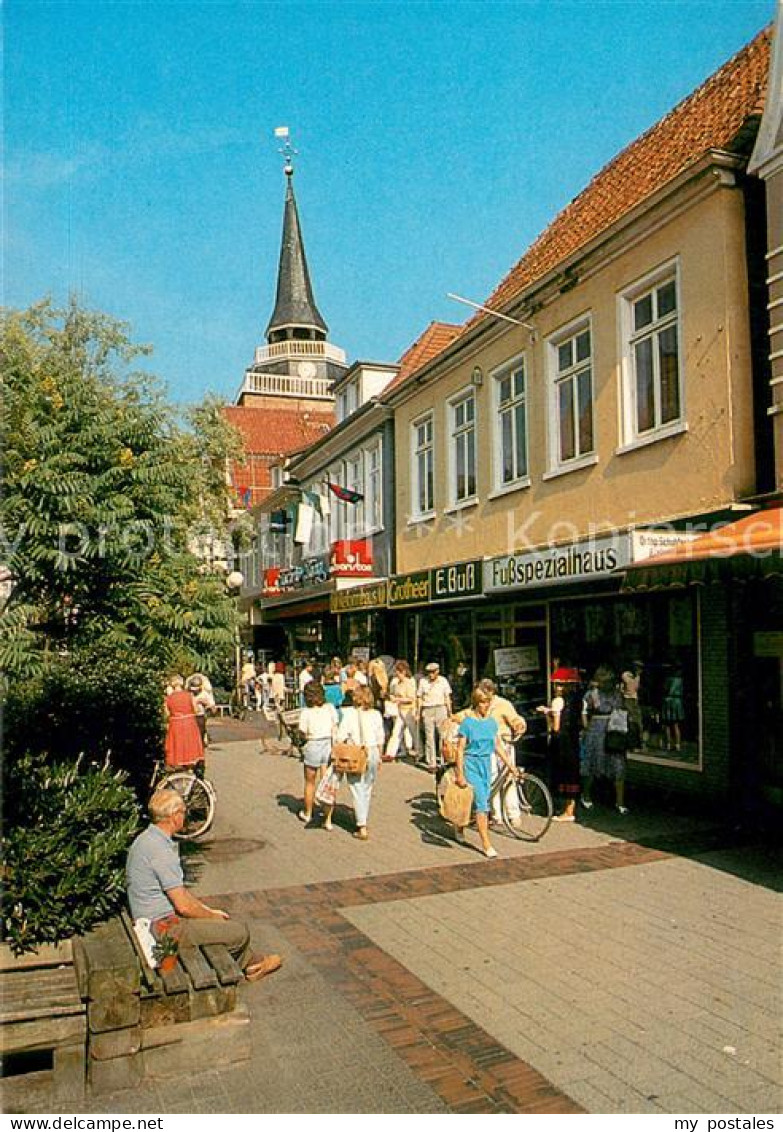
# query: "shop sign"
[351,558]
[271,586]
[409,589]
[462,579]
[359,597]
[558,565]
[645,544]
[520,658]
[309,572]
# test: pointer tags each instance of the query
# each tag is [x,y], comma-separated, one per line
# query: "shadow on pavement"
[425,817]
[749,852]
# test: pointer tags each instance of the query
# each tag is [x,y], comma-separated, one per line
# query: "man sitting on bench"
[156,891]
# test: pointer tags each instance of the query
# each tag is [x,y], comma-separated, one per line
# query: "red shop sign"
[351,558]
[271,581]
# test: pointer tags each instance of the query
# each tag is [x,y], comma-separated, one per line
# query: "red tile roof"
[435,338]
[269,434]
[712,117]
[709,118]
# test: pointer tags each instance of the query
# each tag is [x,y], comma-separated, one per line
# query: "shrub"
[67,831]
[100,702]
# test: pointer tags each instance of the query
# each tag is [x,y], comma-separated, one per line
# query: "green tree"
[102,487]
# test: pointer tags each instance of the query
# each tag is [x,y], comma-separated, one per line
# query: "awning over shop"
[748,548]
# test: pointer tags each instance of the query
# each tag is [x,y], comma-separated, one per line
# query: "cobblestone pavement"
[625,965]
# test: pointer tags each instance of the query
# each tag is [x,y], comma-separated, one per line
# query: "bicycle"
[536,809]
[196,791]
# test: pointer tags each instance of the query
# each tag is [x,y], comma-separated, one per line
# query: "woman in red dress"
[183,738]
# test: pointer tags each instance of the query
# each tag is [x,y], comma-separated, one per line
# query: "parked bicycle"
[196,791]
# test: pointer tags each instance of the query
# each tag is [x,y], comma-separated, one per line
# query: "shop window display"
[660,632]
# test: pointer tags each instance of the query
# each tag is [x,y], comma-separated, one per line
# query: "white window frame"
[417,451]
[631,436]
[454,433]
[373,482]
[336,506]
[354,481]
[556,465]
[509,369]
[347,400]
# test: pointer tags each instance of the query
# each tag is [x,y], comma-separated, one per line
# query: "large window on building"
[652,371]
[571,436]
[462,414]
[510,394]
[660,632]
[373,494]
[423,471]
[354,480]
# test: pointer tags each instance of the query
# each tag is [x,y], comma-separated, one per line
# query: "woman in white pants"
[361,723]
[402,701]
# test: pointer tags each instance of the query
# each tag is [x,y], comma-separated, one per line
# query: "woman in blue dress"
[478,738]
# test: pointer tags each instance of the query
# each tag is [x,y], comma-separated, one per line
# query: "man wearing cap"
[433,702]
[159,899]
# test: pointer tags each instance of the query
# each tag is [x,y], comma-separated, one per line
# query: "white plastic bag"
[326,794]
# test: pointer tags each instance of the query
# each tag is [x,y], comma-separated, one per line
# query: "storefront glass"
[662,632]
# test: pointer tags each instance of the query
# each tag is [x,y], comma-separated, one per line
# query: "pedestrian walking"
[318,724]
[205,704]
[564,722]
[601,699]
[401,709]
[305,676]
[183,738]
[478,739]
[511,726]
[247,681]
[362,724]
[433,697]
[332,689]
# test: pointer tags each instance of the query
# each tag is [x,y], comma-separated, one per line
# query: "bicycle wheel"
[535,808]
[199,798]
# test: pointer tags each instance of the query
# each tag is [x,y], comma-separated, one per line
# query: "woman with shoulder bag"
[604,753]
[318,723]
[362,724]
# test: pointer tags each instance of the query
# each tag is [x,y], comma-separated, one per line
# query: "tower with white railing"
[298,364]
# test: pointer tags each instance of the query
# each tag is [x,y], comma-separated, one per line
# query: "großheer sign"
[444,583]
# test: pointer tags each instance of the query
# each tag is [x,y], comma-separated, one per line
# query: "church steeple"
[295,314]
[297,366]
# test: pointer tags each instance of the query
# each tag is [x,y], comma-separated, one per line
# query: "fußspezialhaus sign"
[444,583]
[599,557]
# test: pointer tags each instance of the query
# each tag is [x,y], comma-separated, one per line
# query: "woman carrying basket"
[478,739]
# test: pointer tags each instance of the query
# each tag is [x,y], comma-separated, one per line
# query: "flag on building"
[345,494]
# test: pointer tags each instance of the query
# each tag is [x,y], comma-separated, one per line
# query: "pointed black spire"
[295,307]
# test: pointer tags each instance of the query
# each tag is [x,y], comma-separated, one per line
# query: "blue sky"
[435,141]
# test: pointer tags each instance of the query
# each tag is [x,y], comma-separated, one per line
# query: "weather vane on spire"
[286,149]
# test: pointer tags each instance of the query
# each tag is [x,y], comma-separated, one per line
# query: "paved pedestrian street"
[621,965]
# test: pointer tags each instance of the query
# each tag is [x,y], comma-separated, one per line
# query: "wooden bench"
[42,1028]
[142,1024]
